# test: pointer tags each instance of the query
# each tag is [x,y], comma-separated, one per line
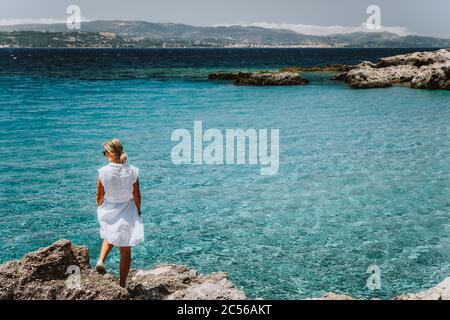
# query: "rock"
[325,68]
[48,274]
[261,78]
[223,76]
[268,78]
[416,59]
[42,275]
[435,76]
[369,77]
[439,292]
[340,76]
[423,70]
[174,282]
[214,286]
[45,274]
[366,64]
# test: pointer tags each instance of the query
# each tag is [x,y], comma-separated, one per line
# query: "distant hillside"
[147,34]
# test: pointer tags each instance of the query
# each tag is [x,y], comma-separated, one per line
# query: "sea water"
[363,180]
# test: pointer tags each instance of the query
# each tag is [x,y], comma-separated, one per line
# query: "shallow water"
[363,179]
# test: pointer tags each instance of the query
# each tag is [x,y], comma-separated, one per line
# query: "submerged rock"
[333,296]
[62,272]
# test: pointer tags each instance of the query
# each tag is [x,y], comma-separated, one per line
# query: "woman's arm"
[137,196]
[100,192]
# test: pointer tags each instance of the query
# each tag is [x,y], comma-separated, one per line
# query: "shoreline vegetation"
[421,70]
[62,271]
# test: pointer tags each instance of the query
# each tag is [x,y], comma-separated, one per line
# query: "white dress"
[119,220]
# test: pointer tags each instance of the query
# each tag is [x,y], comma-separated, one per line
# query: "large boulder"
[62,271]
[44,275]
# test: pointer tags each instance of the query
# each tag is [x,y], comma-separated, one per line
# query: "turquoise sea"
[364,175]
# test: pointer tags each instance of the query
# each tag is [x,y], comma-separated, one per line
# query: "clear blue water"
[364,175]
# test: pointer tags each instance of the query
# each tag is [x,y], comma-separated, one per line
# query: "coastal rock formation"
[422,70]
[366,76]
[43,275]
[267,78]
[174,282]
[416,59]
[261,78]
[439,292]
[62,271]
[325,68]
[284,77]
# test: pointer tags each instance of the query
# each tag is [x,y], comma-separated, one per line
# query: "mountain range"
[147,34]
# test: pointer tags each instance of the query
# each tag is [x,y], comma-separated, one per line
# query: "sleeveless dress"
[119,220]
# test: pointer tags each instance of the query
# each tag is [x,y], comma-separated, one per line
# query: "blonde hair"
[115,148]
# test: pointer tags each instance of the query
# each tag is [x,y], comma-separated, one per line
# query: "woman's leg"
[106,248]
[125,264]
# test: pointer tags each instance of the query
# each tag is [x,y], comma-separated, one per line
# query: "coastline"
[222,48]
[419,70]
[62,271]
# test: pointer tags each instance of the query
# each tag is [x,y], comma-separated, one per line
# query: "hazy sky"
[417,16]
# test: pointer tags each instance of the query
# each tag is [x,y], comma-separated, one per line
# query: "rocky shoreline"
[62,271]
[419,70]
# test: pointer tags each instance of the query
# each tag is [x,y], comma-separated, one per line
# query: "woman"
[119,207]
